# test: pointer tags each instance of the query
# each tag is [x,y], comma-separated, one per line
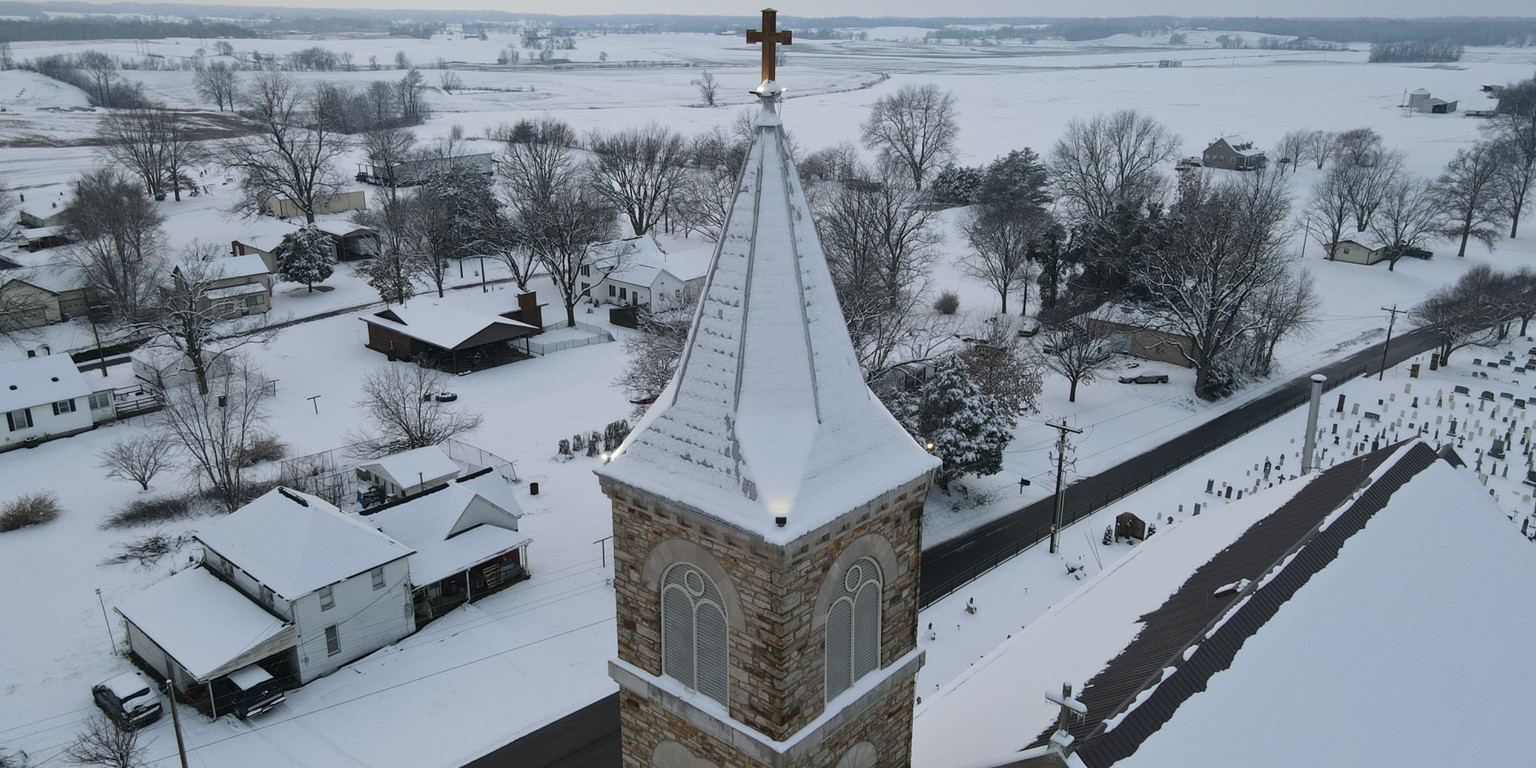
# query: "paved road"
[590,736]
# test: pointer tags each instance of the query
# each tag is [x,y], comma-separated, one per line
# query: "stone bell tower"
[767,513]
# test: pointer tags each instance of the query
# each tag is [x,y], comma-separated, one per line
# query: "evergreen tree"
[1015,180]
[965,428]
[305,256]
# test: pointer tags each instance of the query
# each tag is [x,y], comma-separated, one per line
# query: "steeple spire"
[768,424]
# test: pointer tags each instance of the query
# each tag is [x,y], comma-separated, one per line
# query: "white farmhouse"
[288,583]
[45,398]
[637,272]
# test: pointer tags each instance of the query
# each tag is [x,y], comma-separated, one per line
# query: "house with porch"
[1131,338]
[453,339]
[353,242]
[409,473]
[31,297]
[45,398]
[1233,153]
[465,541]
[636,271]
[234,285]
[287,583]
[32,217]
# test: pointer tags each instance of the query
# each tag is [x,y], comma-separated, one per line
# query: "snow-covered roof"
[1240,145]
[768,415]
[441,325]
[1387,632]
[248,265]
[294,543]
[414,467]
[1418,628]
[641,261]
[267,233]
[35,381]
[49,276]
[451,529]
[1364,239]
[342,228]
[206,625]
[234,290]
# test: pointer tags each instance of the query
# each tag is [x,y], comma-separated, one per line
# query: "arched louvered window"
[853,627]
[862,755]
[693,635]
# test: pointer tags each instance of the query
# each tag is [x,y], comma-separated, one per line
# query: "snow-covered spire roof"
[768,415]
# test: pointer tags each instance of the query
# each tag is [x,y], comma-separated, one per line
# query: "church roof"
[768,415]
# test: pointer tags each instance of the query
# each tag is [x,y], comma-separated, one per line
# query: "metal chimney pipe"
[1309,446]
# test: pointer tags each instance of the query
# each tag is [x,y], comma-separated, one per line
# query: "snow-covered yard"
[526,656]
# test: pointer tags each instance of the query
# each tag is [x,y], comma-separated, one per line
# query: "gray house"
[1233,153]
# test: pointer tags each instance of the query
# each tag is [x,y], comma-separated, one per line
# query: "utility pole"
[1388,343]
[1061,463]
[181,746]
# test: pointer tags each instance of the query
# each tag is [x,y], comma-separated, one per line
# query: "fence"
[595,335]
[1076,507]
[464,453]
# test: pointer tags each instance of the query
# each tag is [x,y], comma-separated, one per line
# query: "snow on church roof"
[769,414]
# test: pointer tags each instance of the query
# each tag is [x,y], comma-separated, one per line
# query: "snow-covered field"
[537,651]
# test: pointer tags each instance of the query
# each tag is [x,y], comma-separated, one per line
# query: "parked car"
[1150,378]
[247,691]
[129,699]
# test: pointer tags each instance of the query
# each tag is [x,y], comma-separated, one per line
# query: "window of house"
[101,400]
[255,300]
[266,596]
[378,577]
[586,288]
[693,631]
[623,293]
[327,599]
[332,640]
[586,270]
[613,290]
[63,406]
[226,567]
[19,420]
[853,627]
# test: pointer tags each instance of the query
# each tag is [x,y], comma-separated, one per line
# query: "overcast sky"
[818,8]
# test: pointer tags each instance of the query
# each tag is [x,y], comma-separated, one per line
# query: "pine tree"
[305,256]
[966,429]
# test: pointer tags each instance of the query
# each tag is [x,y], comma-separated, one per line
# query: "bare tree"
[1079,350]
[213,429]
[1293,148]
[913,129]
[1407,216]
[1459,315]
[1321,146]
[219,84]
[1328,214]
[401,412]
[708,87]
[560,231]
[155,145]
[106,744]
[1515,177]
[137,459]
[117,240]
[1224,244]
[1466,193]
[10,206]
[1358,146]
[1281,310]
[450,81]
[456,215]
[1110,162]
[198,330]
[291,155]
[1005,368]
[638,170]
[386,148]
[652,354]
[1001,239]
[537,157]
[1366,185]
[880,250]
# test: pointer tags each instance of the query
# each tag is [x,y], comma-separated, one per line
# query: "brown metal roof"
[1188,615]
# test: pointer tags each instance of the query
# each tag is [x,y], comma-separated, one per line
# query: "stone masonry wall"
[776,664]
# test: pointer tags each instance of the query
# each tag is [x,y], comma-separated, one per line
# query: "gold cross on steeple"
[769,37]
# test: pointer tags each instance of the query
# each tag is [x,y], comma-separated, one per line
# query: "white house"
[636,271]
[45,398]
[404,474]
[465,538]
[1361,248]
[287,581]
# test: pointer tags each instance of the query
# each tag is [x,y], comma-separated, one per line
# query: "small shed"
[1129,526]
[1360,249]
[353,241]
[409,473]
[1233,153]
[341,202]
[454,339]
[1421,101]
